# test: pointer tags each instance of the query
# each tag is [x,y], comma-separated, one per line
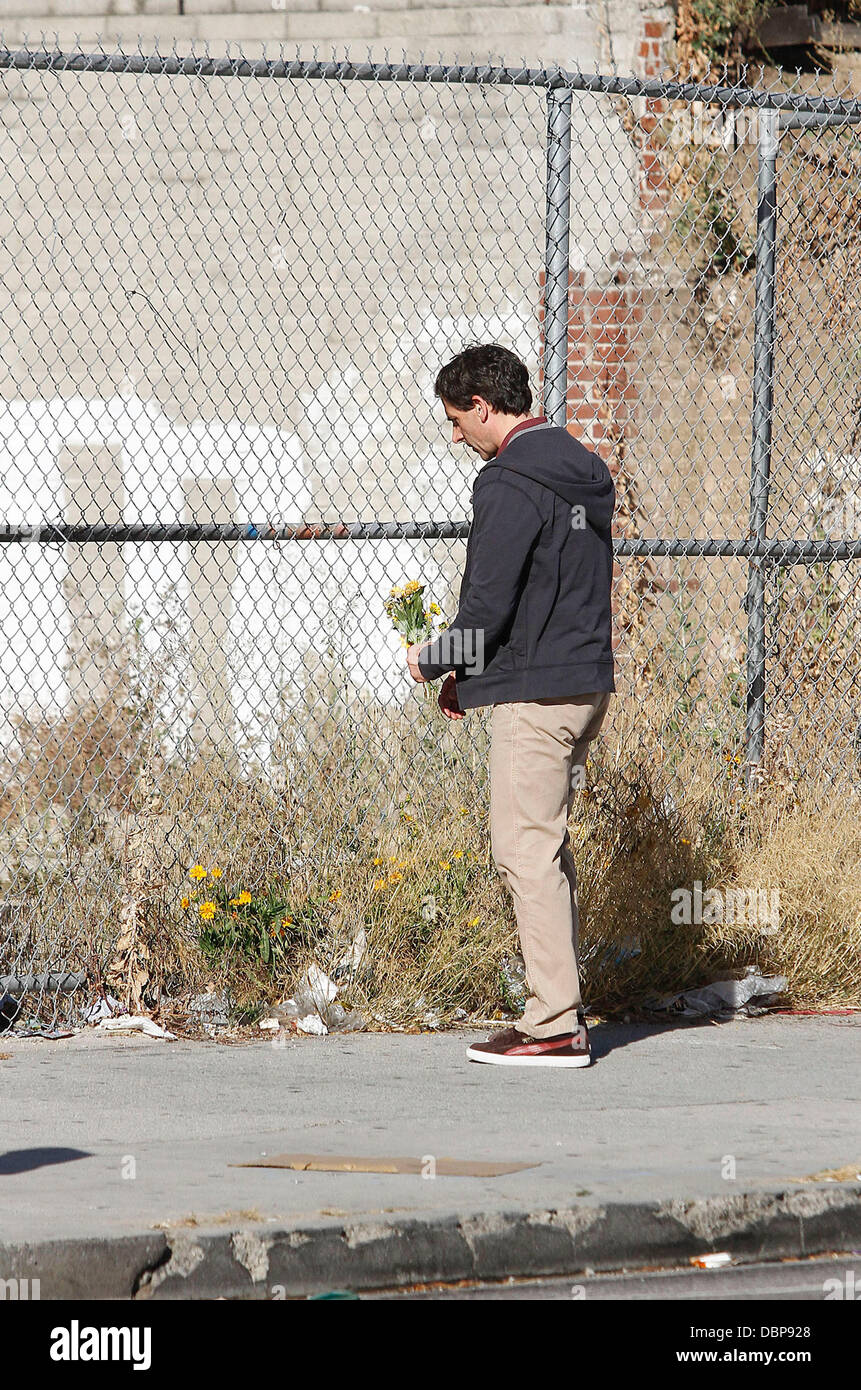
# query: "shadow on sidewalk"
[25,1160]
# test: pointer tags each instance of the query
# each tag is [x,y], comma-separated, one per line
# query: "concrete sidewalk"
[634,1156]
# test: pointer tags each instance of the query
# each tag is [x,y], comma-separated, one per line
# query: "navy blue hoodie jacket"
[534,617]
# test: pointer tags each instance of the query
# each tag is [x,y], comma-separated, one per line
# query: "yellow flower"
[197,872]
[396,593]
[378,859]
[458,854]
[185,902]
[207,911]
[405,816]
[395,877]
[434,608]
[333,898]
[444,864]
[462,810]
[244,897]
[413,587]
[216,873]
[378,884]
[684,841]
[287,921]
[475,921]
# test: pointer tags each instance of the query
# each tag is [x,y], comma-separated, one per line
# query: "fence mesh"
[227,286]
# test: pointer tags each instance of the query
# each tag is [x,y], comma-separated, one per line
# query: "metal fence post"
[763,382]
[556,255]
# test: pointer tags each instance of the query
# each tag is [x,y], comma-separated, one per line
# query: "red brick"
[653,29]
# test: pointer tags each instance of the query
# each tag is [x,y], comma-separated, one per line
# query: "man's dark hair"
[489,371]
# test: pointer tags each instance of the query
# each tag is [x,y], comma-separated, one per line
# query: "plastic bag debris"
[35,1030]
[106,1006]
[209,1010]
[312,1008]
[349,963]
[134,1023]
[513,972]
[10,1007]
[723,996]
[716,1261]
[627,949]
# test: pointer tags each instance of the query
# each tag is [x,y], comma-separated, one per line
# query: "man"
[532,638]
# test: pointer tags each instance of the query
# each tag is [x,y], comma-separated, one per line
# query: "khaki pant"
[536,747]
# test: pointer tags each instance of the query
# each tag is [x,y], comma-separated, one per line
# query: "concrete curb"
[257,1262]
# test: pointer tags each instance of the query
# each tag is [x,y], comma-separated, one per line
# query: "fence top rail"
[672,88]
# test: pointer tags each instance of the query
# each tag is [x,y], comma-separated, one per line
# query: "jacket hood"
[554,458]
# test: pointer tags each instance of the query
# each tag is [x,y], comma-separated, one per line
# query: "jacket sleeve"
[506,524]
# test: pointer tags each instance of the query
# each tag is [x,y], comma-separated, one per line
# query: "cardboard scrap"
[442,1167]
[850,1173]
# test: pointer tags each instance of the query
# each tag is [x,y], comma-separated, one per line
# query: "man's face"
[467,427]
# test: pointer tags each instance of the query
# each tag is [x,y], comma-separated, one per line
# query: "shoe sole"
[501,1059]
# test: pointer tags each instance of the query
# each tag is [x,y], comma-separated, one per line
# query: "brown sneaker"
[513,1049]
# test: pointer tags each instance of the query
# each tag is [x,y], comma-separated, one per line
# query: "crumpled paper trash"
[723,996]
[134,1023]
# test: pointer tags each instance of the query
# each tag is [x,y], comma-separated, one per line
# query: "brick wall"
[605,314]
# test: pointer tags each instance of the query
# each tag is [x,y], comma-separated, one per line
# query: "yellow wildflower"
[475,921]
[378,884]
[458,854]
[378,859]
[395,877]
[434,608]
[462,810]
[216,873]
[287,922]
[185,902]
[207,911]
[244,898]
[444,864]
[413,587]
[333,897]
[197,872]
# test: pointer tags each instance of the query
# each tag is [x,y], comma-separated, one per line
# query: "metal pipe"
[777,552]
[556,258]
[763,390]
[174,64]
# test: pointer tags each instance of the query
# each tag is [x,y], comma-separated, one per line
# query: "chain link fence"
[227,286]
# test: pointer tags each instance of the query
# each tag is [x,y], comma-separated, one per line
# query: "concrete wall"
[599,31]
[249,285]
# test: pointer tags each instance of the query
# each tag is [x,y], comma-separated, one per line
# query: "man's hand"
[413,660]
[447,699]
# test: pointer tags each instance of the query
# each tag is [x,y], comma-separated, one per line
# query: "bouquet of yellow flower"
[405,606]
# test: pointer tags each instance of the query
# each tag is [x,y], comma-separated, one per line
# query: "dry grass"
[379,824]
